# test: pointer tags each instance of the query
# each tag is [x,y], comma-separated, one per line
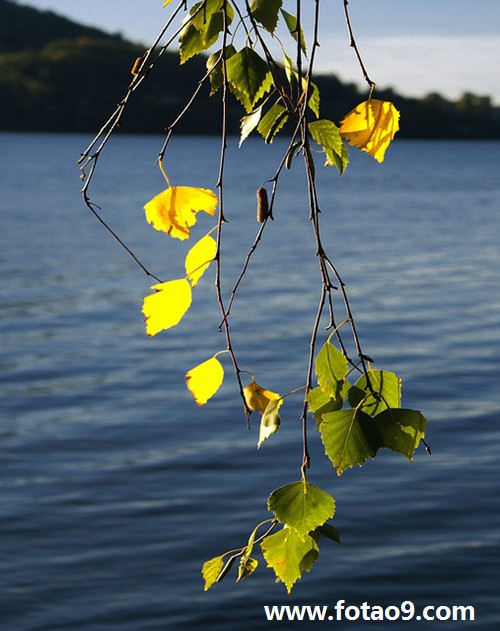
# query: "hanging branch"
[355,420]
[221,220]
[353,45]
[90,157]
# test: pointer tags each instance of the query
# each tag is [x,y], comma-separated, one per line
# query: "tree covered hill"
[57,75]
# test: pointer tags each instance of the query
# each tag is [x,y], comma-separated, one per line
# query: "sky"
[413,46]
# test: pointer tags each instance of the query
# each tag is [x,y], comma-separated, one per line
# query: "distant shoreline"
[59,76]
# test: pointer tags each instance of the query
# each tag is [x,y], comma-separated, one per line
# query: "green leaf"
[385,384]
[266,12]
[301,506]
[211,570]
[272,121]
[320,402]
[214,28]
[246,567]
[292,151]
[214,63]
[248,123]
[313,100]
[328,531]
[401,430]
[204,25]
[291,22]
[208,18]
[288,555]
[327,135]
[248,76]
[340,160]
[191,43]
[270,421]
[331,370]
[350,437]
[289,69]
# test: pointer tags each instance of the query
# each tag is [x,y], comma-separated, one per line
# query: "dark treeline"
[56,75]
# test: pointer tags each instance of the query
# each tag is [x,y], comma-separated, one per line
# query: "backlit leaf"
[257,398]
[272,121]
[292,24]
[203,27]
[248,76]
[249,122]
[290,72]
[350,437]
[266,12]
[401,430]
[301,506]
[327,135]
[247,566]
[210,20]
[341,160]
[387,388]
[204,380]
[202,13]
[174,210]
[289,555]
[313,97]
[270,421]
[165,308]
[331,370]
[320,402]
[199,258]
[371,126]
[214,65]
[211,570]
[191,42]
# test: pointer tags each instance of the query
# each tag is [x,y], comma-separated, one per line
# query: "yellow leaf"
[174,210]
[257,397]
[211,570]
[204,380]
[166,306]
[199,258]
[167,2]
[371,126]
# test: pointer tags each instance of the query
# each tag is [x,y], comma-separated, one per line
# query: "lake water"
[115,487]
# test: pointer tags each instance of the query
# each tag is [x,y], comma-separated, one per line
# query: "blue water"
[115,487]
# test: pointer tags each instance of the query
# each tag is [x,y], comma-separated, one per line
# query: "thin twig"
[221,218]
[89,158]
[244,269]
[260,232]
[353,44]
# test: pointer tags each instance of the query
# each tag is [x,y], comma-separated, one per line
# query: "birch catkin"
[262,205]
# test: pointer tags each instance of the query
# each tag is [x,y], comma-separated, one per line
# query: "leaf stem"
[162,169]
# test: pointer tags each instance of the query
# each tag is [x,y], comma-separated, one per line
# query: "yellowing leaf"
[204,380]
[247,567]
[371,126]
[289,555]
[211,570]
[257,398]
[167,2]
[174,210]
[199,258]
[166,306]
[270,421]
